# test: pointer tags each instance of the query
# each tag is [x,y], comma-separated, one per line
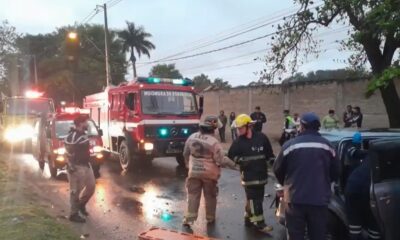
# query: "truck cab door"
[385,186]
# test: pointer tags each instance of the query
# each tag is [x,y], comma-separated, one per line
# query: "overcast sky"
[179,26]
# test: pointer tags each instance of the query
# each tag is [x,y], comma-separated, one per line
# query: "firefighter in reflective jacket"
[252,151]
[80,174]
[204,157]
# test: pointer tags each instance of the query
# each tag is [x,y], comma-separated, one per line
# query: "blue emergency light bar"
[155,80]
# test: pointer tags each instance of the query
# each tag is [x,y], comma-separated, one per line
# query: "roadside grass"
[20,218]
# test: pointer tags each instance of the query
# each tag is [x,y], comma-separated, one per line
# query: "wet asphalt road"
[117,212]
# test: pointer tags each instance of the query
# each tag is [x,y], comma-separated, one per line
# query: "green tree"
[201,82]
[221,84]
[64,80]
[136,39]
[8,36]
[374,37]
[165,71]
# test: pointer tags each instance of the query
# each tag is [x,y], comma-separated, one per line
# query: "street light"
[72,35]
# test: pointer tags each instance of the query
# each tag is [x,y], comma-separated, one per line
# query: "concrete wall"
[319,98]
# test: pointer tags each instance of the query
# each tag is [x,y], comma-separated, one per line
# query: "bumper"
[95,160]
[164,148]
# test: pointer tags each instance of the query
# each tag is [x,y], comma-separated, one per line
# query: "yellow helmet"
[243,120]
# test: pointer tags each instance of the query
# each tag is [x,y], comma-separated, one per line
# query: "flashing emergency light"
[163,132]
[75,110]
[33,94]
[154,80]
[185,131]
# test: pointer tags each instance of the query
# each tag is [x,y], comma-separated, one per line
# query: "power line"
[226,59]
[235,34]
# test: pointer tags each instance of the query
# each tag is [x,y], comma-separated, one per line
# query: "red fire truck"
[146,118]
[48,143]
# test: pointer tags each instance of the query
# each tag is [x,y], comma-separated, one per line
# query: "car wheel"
[125,158]
[336,229]
[181,161]
[52,168]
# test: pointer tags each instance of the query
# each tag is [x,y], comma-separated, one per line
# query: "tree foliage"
[66,80]
[201,82]
[8,36]
[135,39]
[221,84]
[374,38]
[165,71]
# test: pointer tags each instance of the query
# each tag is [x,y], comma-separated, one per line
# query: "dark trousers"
[300,217]
[360,216]
[222,134]
[254,204]
[234,134]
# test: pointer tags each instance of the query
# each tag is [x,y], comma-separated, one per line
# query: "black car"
[384,152]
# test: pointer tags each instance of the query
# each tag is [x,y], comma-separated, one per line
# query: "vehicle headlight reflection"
[19,133]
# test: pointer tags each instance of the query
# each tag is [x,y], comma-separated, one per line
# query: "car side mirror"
[101,132]
[201,105]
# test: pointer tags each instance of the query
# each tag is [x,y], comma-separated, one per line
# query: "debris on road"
[166,234]
[84,236]
[136,189]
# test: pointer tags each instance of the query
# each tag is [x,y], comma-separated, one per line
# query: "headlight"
[19,133]
[148,146]
[97,149]
[59,151]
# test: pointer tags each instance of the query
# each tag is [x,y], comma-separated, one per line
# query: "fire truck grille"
[169,131]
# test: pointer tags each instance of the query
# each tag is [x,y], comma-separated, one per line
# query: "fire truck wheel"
[52,169]
[125,158]
[181,161]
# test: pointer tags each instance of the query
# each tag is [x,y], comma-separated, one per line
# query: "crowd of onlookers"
[352,117]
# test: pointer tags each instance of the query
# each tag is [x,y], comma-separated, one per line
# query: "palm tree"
[135,38]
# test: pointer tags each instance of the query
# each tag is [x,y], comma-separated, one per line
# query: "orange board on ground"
[165,234]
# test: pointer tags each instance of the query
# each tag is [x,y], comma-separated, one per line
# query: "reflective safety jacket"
[252,155]
[306,167]
[204,156]
[290,123]
[78,148]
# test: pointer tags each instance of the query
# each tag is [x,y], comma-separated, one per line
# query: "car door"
[385,187]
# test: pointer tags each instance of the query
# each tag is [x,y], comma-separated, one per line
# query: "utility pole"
[35,70]
[106,37]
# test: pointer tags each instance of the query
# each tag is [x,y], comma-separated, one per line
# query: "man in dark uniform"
[80,174]
[357,192]
[252,151]
[306,167]
[259,119]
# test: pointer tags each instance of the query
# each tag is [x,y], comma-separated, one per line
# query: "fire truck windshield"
[63,128]
[28,106]
[168,102]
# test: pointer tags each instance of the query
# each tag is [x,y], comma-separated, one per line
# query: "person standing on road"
[306,167]
[204,157]
[232,118]
[224,120]
[348,116]
[251,151]
[357,117]
[289,127]
[80,174]
[330,121]
[259,119]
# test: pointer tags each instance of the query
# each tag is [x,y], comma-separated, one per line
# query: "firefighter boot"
[76,218]
[83,211]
